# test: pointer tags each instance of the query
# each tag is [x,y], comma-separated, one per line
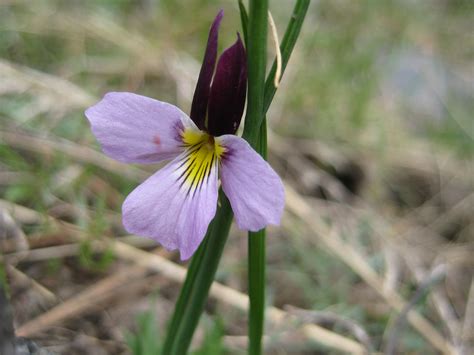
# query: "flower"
[176,204]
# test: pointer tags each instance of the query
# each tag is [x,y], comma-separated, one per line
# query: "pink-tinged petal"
[227,98]
[254,190]
[171,211]
[137,129]
[203,86]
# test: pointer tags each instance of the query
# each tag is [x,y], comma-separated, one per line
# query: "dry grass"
[365,225]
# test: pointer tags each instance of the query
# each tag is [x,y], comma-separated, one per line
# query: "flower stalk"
[178,205]
[202,269]
[204,263]
[256,64]
[256,240]
[256,270]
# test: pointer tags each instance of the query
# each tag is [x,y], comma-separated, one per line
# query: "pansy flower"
[176,204]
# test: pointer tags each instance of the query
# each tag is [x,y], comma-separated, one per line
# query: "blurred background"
[371,131]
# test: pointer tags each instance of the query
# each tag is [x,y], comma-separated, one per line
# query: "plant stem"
[199,279]
[204,264]
[256,61]
[256,270]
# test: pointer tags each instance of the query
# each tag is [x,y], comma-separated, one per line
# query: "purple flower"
[176,204]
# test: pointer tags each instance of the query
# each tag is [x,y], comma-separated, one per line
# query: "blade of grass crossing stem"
[198,282]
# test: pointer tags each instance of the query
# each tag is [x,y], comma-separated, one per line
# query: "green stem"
[198,281]
[256,275]
[254,28]
[204,264]
[256,62]
[256,270]
[257,57]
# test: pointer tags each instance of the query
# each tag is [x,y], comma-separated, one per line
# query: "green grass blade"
[244,19]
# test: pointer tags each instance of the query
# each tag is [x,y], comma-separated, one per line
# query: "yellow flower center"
[203,151]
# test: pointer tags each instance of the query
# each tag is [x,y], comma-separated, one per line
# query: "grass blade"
[244,19]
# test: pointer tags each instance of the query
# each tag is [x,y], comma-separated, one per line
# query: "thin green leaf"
[244,19]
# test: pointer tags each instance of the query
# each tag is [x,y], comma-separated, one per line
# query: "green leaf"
[244,19]
[256,63]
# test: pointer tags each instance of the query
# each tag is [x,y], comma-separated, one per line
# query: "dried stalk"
[297,205]
[437,274]
[176,273]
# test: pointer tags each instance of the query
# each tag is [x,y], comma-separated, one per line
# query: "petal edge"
[254,189]
[164,210]
[137,129]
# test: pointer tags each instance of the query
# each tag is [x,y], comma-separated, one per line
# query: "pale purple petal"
[254,190]
[169,211]
[137,129]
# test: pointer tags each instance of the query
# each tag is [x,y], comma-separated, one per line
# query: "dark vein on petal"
[212,162]
[188,153]
[206,171]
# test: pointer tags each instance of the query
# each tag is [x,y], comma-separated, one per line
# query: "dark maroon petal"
[201,93]
[227,98]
